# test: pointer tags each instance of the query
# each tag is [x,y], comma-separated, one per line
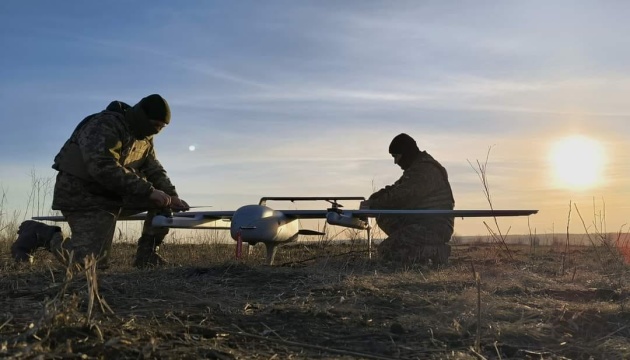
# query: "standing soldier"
[423,185]
[108,169]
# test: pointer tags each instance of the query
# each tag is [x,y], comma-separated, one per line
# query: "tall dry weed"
[610,250]
[495,232]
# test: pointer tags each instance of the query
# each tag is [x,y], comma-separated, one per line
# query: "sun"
[578,162]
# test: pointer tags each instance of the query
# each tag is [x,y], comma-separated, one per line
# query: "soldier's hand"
[178,204]
[160,198]
[364,205]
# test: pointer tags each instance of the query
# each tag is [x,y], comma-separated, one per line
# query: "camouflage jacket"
[103,165]
[423,185]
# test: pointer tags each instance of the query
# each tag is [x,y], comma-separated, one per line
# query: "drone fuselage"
[259,223]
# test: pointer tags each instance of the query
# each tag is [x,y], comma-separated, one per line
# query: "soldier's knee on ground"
[390,249]
[67,255]
[31,236]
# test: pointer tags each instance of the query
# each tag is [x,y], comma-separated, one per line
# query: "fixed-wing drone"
[259,223]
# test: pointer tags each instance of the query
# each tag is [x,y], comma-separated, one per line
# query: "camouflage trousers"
[415,243]
[93,234]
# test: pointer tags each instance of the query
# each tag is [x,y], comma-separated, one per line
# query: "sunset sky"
[301,98]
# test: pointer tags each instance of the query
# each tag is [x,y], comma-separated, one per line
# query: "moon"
[577,162]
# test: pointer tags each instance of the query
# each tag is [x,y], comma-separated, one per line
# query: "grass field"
[321,301]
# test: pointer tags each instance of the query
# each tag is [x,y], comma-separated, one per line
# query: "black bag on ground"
[31,236]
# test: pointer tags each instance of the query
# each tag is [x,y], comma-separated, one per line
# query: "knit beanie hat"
[406,146]
[403,144]
[156,108]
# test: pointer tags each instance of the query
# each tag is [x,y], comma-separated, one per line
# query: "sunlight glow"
[192,148]
[578,162]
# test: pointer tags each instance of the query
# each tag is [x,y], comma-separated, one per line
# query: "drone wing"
[453,213]
[348,218]
[320,214]
[60,218]
[184,220]
[196,220]
[358,219]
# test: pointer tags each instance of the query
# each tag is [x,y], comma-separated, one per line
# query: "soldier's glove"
[178,204]
[160,198]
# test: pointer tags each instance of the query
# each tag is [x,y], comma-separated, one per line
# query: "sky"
[302,98]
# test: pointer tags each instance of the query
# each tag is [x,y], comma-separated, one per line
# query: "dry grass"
[321,301]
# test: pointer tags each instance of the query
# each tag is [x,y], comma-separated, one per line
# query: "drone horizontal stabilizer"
[331,199]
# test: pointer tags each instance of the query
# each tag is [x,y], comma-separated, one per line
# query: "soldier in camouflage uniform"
[108,169]
[423,185]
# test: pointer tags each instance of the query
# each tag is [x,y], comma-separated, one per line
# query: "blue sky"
[302,98]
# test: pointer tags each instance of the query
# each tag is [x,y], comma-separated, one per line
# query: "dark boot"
[31,236]
[441,255]
[147,256]
[434,254]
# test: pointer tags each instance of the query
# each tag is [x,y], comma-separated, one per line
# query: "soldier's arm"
[100,142]
[412,185]
[155,173]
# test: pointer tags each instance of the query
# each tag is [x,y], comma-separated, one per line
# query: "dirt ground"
[321,301]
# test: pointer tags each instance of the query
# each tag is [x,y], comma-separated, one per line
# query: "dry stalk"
[68,277]
[533,239]
[611,259]
[6,322]
[51,307]
[601,217]
[603,241]
[90,264]
[588,235]
[477,279]
[324,256]
[566,248]
[477,354]
[41,188]
[481,171]
[310,346]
